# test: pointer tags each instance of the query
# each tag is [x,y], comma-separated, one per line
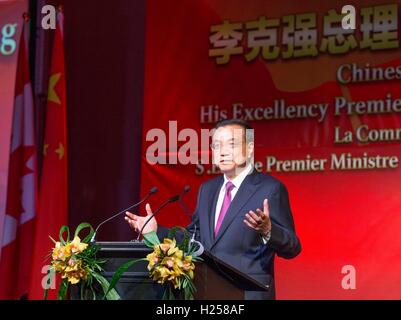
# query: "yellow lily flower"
[77,246]
[153,260]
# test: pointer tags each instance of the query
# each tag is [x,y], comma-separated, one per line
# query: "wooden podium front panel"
[211,286]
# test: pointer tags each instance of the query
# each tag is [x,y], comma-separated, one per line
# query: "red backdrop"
[343,217]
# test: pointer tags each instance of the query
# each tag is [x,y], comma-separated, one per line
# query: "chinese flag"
[52,213]
[21,202]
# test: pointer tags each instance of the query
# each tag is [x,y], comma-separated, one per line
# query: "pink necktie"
[226,204]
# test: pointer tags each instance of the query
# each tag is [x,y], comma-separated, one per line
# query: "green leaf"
[91,290]
[62,230]
[184,244]
[196,259]
[151,239]
[83,289]
[119,272]
[109,294]
[170,294]
[190,284]
[165,294]
[62,291]
[82,226]
[172,232]
[188,294]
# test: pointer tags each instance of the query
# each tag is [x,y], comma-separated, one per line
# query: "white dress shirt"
[237,181]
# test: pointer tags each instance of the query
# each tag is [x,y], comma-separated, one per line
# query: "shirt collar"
[237,181]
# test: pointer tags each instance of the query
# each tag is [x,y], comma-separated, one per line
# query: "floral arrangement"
[170,264]
[77,264]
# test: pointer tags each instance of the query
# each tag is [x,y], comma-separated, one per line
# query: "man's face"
[229,148]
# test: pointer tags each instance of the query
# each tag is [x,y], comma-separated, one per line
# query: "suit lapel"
[246,190]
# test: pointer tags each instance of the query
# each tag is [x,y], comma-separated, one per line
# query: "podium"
[214,279]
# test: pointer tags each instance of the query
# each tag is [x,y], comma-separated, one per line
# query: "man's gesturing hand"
[136,222]
[260,222]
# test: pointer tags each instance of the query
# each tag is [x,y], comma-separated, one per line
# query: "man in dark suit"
[243,217]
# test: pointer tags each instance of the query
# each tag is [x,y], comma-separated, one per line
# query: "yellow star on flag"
[45,147]
[52,95]
[60,151]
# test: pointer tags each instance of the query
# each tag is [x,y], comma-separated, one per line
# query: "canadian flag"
[21,203]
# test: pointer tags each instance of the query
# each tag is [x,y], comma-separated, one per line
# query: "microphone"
[182,204]
[199,251]
[186,210]
[172,199]
[152,191]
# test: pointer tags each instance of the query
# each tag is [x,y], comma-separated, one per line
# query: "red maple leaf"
[17,169]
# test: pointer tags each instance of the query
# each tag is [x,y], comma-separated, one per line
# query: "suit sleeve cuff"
[267,237]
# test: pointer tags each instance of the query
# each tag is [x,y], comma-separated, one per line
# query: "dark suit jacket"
[236,243]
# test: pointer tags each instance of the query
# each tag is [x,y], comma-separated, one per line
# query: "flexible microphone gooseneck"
[152,191]
[170,200]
